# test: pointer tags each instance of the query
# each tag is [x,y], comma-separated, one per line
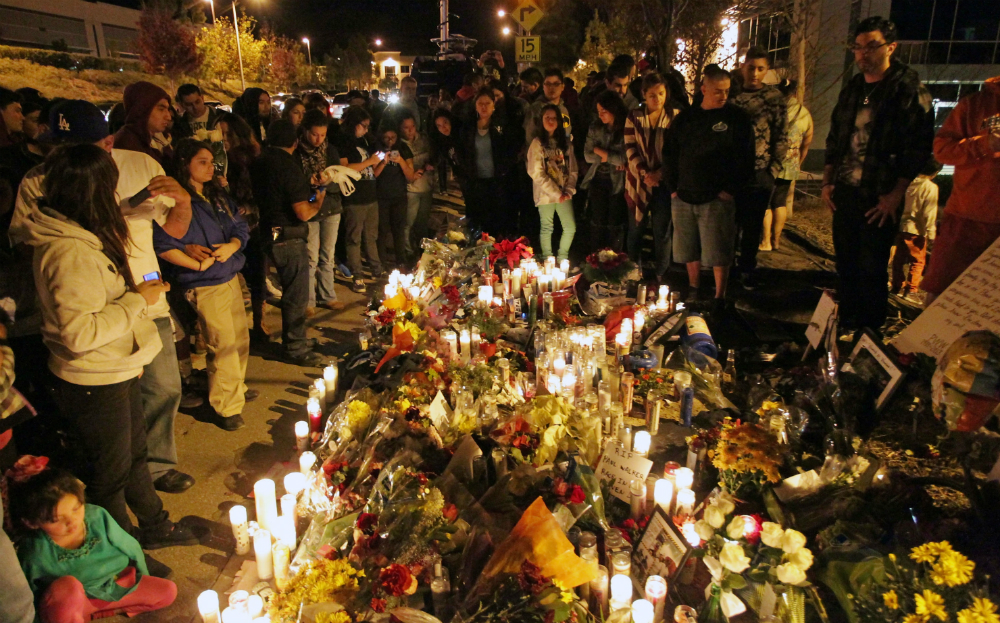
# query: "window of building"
[771,32]
[962,32]
[404,69]
[390,70]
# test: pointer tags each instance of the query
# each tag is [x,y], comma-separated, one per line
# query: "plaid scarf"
[312,159]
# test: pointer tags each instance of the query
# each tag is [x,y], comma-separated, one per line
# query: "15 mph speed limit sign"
[529,49]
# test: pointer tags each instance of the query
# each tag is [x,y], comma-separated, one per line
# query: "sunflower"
[930,604]
[891,600]
[982,611]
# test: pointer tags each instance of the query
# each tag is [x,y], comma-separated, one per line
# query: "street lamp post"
[305,40]
[211,3]
[239,52]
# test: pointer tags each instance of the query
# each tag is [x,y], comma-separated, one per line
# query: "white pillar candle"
[515,283]
[684,478]
[485,295]
[639,319]
[262,551]
[288,502]
[451,339]
[208,607]
[663,494]
[555,384]
[559,366]
[642,611]
[281,556]
[284,531]
[241,530]
[656,594]
[599,591]
[320,386]
[267,507]
[330,374]
[564,266]
[640,445]
[569,382]
[255,606]
[302,436]
[621,592]
[295,483]
[550,263]
[474,338]
[465,341]
[390,290]
[306,462]
[685,503]
[414,292]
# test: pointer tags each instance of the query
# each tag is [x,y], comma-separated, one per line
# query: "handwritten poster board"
[662,549]
[622,465]
[971,303]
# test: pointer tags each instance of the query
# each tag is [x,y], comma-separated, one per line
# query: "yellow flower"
[891,600]
[914,618]
[982,611]
[952,569]
[565,593]
[928,552]
[930,604]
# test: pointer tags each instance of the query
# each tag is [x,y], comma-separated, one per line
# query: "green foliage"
[218,45]
[67,60]
[287,63]
[349,65]
[166,46]
[562,29]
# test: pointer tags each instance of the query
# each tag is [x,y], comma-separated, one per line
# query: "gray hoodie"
[97,331]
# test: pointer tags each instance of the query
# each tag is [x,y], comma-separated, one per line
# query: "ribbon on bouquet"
[731,604]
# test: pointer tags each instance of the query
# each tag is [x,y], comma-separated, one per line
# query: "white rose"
[790,574]
[803,558]
[792,541]
[771,534]
[704,529]
[715,516]
[725,503]
[736,528]
[734,559]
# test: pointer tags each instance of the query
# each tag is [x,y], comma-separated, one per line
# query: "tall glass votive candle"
[262,552]
[241,531]
[656,594]
[267,505]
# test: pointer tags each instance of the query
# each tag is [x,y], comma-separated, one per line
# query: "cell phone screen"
[153,276]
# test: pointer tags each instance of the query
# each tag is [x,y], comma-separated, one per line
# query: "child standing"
[78,561]
[393,174]
[552,167]
[917,229]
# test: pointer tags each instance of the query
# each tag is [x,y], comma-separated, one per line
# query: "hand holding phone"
[138,198]
[153,276]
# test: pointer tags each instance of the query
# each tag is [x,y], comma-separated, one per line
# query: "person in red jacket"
[970,141]
[147,116]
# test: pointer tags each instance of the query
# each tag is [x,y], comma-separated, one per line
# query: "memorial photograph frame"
[871,359]
[661,550]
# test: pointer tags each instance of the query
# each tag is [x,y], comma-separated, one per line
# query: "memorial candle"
[621,592]
[281,561]
[599,591]
[390,290]
[208,607]
[685,503]
[267,506]
[465,341]
[241,530]
[559,366]
[302,436]
[656,594]
[642,611]
[320,386]
[284,531]
[330,374]
[262,552]
[306,462]
[475,337]
[485,295]
[663,494]
[641,443]
[295,483]
[288,503]
[515,282]
[662,299]
[315,414]
[684,478]
[451,339]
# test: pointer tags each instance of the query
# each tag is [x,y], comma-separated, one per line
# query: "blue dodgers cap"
[76,121]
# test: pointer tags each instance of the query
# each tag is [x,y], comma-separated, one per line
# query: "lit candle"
[475,337]
[684,478]
[661,300]
[555,384]
[241,530]
[306,462]
[262,551]
[599,591]
[295,483]
[320,386]
[550,263]
[640,320]
[515,283]
[485,295]
[414,292]
[690,534]
[451,339]
[390,290]
[663,494]
[621,345]
[255,606]
[330,374]
[267,507]
[626,327]
[559,366]
[640,445]
[621,592]
[564,266]
[281,561]
[637,491]
[394,277]
[284,531]
[656,594]
[642,611]
[466,343]
[208,607]
[288,507]
[685,503]
[239,603]
[569,382]
[315,414]
[302,436]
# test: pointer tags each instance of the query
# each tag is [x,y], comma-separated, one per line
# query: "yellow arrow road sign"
[527,14]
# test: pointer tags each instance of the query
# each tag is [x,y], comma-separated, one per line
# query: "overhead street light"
[305,40]
[501,13]
[506,30]
[378,42]
[212,4]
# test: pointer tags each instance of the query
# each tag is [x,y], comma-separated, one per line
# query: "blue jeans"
[18,604]
[658,217]
[160,386]
[418,212]
[547,212]
[322,242]
[291,260]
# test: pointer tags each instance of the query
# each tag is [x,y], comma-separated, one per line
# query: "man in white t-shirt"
[77,121]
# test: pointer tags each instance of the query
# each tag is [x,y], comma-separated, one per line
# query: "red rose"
[396,580]
[450,512]
[577,496]
[367,522]
[378,605]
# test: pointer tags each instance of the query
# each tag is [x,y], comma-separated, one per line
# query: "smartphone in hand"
[139,197]
[153,276]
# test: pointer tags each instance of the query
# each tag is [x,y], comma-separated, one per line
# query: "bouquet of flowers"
[608,266]
[322,581]
[529,597]
[511,251]
[936,586]
[747,457]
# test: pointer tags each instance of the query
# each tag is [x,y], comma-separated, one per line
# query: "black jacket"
[506,142]
[182,127]
[902,135]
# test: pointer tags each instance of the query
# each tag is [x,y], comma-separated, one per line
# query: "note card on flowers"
[623,465]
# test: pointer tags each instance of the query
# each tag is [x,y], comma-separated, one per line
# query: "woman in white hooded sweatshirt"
[95,324]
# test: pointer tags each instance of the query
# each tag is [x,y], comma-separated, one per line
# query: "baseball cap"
[75,121]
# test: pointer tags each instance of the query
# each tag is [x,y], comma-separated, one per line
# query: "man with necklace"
[881,133]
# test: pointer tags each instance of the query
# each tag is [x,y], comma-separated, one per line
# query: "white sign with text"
[622,465]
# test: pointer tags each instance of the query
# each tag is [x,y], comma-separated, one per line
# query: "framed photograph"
[870,361]
[661,551]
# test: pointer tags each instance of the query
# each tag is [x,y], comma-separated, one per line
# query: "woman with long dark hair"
[605,179]
[487,151]
[210,285]
[254,107]
[293,110]
[95,324]
[358,152]
[552,167]
[444,147]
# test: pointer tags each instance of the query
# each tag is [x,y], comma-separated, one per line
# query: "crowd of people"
[123,238]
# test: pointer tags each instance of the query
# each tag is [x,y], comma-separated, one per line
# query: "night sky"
[403,25]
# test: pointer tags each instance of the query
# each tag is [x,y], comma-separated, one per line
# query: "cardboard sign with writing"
[440,412]
[622,465]
[971,303]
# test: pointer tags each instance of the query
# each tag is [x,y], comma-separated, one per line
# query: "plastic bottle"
[697,336]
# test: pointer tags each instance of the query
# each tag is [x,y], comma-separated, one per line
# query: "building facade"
[392,65]
[93,28]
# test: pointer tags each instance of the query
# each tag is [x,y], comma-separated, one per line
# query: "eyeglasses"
[552,85]
[866,49]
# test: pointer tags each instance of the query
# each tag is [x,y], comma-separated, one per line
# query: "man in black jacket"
[709,159]
[197,115]
[881,136]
